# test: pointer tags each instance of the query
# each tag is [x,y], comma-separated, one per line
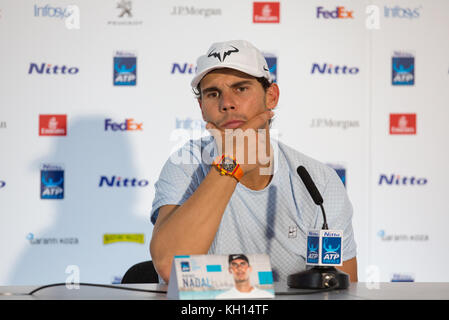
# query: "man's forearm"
[191,228]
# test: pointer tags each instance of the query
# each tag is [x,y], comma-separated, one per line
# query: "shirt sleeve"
[179,178]
[339,213]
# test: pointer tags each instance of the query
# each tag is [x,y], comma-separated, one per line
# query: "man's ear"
[272,96]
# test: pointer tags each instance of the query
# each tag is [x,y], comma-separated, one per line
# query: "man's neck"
[255,181]
[244,286]
[260,177]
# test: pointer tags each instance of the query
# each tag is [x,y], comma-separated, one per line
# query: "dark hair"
[233,257]
[262,80]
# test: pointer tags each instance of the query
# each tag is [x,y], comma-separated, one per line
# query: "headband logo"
[225,53]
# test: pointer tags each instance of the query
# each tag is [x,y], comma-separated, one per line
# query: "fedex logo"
[127,125]
[338,13]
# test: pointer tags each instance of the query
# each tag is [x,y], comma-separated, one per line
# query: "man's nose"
[227,102]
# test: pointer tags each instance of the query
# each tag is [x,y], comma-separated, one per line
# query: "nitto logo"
[183,68]
[331,69]
[115,181]
[338,13]
[127,125]
[45,68]
[395,179]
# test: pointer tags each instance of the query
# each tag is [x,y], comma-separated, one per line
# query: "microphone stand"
[319,277]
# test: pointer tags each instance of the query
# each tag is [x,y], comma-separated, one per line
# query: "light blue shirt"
[274,220]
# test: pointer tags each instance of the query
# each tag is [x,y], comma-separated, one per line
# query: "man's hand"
[247,144]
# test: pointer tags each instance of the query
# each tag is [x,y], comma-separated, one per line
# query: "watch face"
[228,164]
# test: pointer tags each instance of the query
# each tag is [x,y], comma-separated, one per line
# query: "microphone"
[313,191]
[323,250]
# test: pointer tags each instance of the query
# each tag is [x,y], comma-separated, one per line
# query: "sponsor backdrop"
[95,96]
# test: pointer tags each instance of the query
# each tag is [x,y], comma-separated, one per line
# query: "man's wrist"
[227,165]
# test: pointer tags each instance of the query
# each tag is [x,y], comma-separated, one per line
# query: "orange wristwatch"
[228,166]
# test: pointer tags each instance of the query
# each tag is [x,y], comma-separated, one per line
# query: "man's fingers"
[259,121]
[217,134]
[213,130]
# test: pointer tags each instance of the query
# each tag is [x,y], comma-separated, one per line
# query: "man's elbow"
[350,267]
[162,263]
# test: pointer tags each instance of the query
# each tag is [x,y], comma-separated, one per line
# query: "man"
[250,198]
[241,270]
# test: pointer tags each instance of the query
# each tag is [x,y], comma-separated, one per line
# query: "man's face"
[230,98]
[240,269]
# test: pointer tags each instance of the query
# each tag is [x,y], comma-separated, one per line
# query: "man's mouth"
[233,124]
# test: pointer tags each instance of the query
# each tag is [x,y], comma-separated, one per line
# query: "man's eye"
[212,95]
[242,89]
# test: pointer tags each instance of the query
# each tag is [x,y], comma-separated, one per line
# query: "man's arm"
[191,227]
[350,267]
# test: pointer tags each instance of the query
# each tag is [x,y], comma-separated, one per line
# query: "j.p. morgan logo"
[194,11]
[333,123]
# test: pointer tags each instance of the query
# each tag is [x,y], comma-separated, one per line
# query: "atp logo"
[313,243]
[125,69]
[331,250]
[52,181]
[403,69]
[272,65]
[185,266]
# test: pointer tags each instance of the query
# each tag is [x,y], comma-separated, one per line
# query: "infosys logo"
[402,13]
[338,13]
[327,68]
[127,125]
[121,182]
[52,12]
[398,180]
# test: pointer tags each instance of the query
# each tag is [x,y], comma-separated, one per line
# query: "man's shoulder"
[319,171]
[195,152]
